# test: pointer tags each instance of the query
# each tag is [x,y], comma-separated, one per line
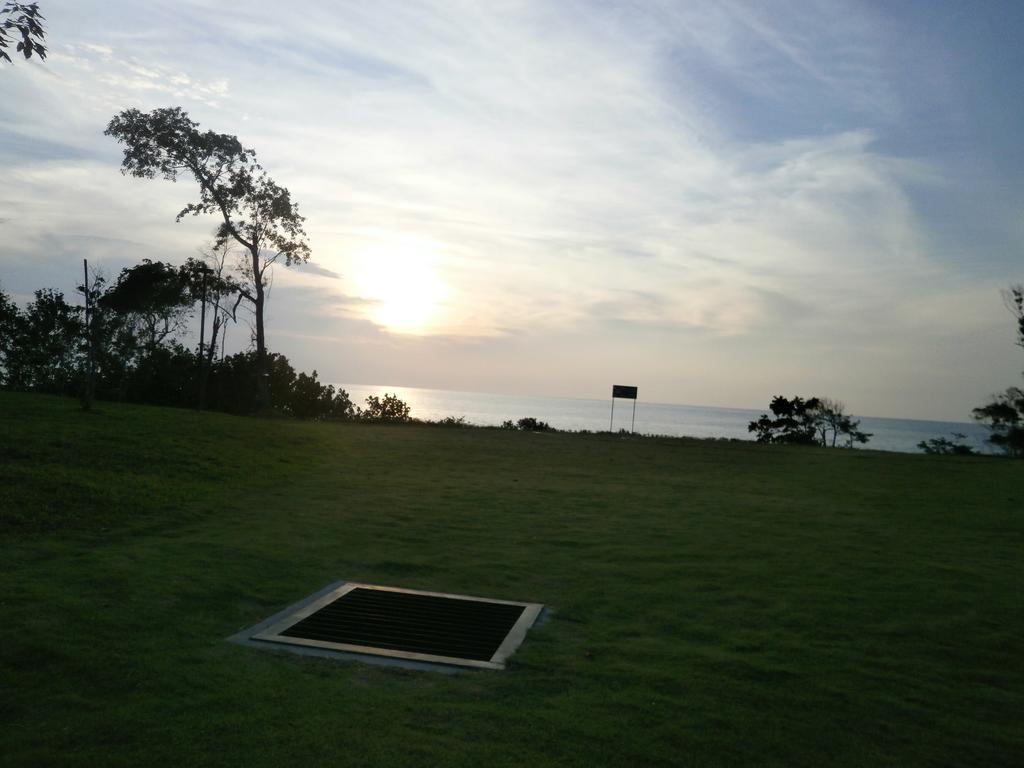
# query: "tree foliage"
[1004,416]
[156,297]
[25,21]
[795,421]
[531,424]
[46,346]
[9,316]
[390,408]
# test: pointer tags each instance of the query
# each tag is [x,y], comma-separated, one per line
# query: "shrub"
[947,447]
[530,424]
[390,409]
[452,421]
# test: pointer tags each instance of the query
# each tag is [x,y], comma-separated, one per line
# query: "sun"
[399,277]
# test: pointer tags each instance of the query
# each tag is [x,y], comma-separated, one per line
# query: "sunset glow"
[398,277]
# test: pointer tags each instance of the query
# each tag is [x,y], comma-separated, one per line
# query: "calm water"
[651,418]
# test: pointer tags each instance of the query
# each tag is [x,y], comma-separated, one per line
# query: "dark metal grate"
[401,621]
[408,624]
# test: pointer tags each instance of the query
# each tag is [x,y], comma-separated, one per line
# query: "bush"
[389,409]
[452,421]
[945,446]
[309,399]
[530,424]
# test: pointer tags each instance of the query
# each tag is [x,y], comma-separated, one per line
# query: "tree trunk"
[262,369]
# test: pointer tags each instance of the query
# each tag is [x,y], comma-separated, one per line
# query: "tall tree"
[255,212]
[25,21]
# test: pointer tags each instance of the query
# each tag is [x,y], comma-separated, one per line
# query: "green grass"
[714,603]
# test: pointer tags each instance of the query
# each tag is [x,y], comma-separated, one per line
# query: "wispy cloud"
[710,170]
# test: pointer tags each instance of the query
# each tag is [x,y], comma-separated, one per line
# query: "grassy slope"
[715,603]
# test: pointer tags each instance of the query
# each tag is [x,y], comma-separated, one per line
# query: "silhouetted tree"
[309,399]
[255,212]
[390,408]
[156,298]
[45,352]
[9,320]
[830,417]
[796,421]
[22,20]
[1004,415]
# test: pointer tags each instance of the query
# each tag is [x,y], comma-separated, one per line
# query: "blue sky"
[716,201]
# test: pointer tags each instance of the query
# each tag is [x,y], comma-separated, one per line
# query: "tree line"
[135,337]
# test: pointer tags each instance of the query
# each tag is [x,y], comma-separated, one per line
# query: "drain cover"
[409,624]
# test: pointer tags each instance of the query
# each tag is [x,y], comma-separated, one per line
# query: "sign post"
[627,393]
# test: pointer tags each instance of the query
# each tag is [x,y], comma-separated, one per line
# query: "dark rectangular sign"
[618,390]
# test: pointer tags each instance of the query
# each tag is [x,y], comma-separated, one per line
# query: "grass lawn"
[714,603]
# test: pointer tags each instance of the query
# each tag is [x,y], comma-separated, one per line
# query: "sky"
[716,202]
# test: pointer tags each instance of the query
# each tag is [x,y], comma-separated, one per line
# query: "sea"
[485,409]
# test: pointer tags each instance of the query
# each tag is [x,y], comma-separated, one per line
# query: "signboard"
[627,393]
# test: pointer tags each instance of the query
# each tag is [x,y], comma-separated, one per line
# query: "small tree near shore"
[807,422]
[832,419]
[795,422]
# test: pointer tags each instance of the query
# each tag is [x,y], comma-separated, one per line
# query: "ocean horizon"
[490,410]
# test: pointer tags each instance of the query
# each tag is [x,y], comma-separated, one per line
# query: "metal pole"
[632,427]
[612,419]
[88,338]
[202,347]
[202,318]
